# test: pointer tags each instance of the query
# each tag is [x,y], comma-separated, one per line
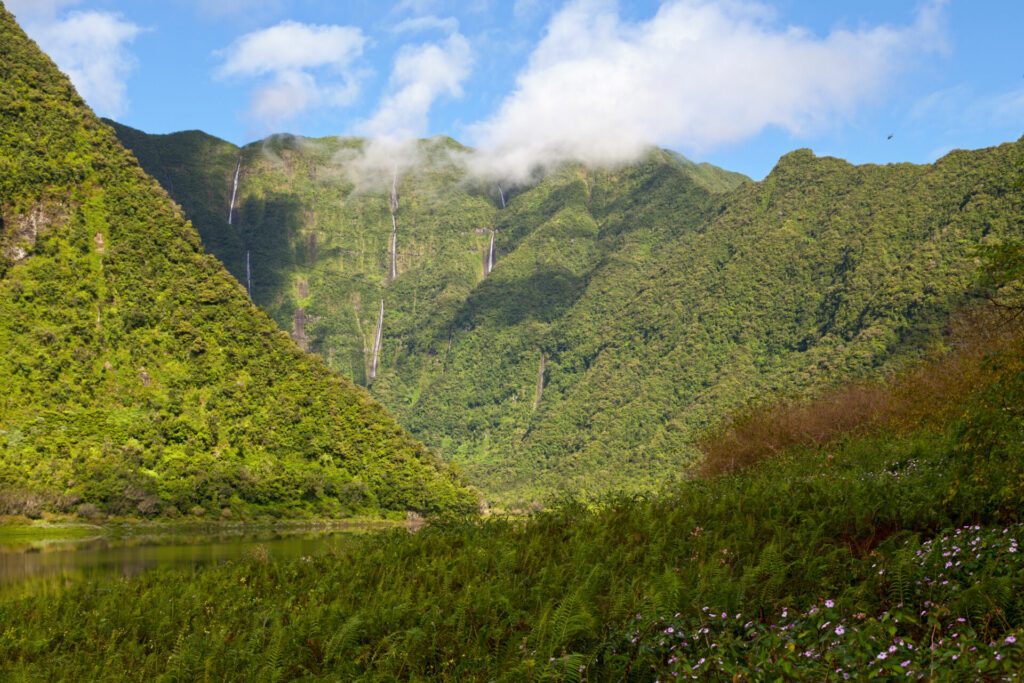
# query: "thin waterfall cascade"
[501,194]
[490,255]
[376,343]
[248,273]
[234,193]
[540,381]
[394,247]
[394,191]
[393,204]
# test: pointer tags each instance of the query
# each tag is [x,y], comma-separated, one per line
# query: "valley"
[583,336]
[364,408]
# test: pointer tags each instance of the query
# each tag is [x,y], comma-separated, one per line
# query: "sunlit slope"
[627,309]
[137,377]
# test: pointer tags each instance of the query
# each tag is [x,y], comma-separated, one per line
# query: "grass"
[22,532]
[574,586]
[886,550]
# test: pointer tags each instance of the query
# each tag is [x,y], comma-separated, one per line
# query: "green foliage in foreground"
[137,378]
[884,554]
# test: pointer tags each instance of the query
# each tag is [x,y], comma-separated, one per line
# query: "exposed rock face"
[299,329]
[19,233]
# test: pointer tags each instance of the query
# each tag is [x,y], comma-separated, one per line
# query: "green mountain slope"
[888,554]
[137,377]
[627,309]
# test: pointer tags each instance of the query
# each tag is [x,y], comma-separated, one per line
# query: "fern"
[901,576]
[342,642]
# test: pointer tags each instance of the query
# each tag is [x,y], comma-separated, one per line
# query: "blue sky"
[733,82]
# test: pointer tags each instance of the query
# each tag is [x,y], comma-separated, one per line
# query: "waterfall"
[490,255]
[540,381]
[394,224]
[394,190]
[376,343]
[234,191]
[394,247]
[248,273]
[502,195]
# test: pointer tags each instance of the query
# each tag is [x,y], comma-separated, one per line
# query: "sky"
[533,83]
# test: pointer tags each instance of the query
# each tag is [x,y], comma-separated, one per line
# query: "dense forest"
[889,549]
[580,333]
[138,379]
[822,374]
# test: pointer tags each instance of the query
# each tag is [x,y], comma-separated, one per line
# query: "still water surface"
[55,562]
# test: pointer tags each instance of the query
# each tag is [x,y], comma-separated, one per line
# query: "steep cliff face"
[137,376]
[660,295]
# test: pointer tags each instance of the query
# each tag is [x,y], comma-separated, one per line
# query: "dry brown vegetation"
[931,391]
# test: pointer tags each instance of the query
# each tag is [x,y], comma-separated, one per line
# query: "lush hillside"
[887,554]
[137,376]
[627,309]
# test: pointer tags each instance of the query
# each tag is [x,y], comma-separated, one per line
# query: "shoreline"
[14,530]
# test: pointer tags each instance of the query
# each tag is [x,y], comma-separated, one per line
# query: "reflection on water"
[53,563]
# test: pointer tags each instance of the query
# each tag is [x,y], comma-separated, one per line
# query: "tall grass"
[588,593]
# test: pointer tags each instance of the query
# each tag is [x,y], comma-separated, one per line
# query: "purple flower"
[840,630]
[830,604]
[1010,640]
[905,663]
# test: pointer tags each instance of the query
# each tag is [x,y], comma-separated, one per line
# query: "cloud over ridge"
[698,75]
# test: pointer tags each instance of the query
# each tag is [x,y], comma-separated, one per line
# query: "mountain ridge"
[621,393]
[139,378]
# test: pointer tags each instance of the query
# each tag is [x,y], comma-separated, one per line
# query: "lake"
[55,562]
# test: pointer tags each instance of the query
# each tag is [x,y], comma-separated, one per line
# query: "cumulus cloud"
[90,47]
[300,66]
[421,75]
[699,74]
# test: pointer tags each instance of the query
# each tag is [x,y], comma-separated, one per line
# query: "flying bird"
[890,136]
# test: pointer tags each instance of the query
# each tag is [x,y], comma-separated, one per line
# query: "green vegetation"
[660,296]
[884,552]
[874,530]
[137,377]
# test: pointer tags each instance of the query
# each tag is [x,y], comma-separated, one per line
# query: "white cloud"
[421,74]
[303,66]
[698,75]
[428,22]
[90,47]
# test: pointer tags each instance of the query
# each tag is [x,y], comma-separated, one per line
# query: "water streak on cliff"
[234,193]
